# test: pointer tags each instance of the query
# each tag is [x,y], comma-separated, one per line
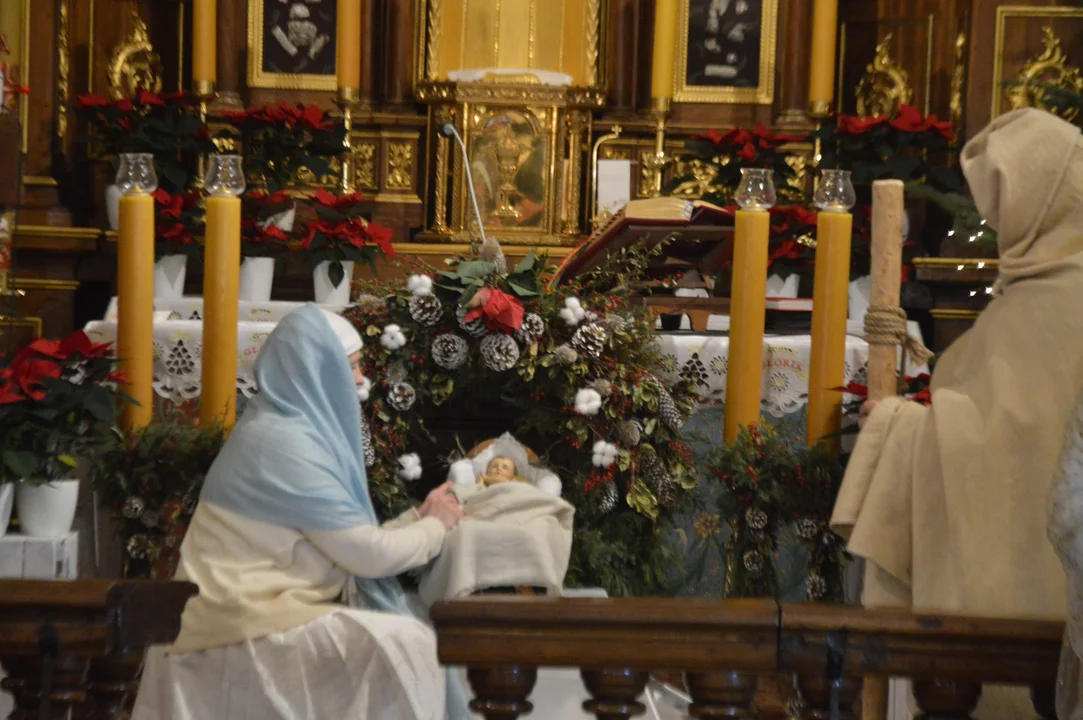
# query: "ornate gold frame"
[1017,11]
[930,27]
[279,81]
[762,94]
[131,56]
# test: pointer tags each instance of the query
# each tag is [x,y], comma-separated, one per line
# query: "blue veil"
[295,457]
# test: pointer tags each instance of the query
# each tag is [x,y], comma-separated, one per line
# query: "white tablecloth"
[191,308]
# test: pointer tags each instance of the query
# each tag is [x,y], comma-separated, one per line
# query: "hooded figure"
[947,503]
[283,523]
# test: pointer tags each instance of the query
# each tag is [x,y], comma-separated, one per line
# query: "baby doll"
[500,470]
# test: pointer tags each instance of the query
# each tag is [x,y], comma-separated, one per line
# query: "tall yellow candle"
[666,15]
[825,22]
[221,280]
[135,306]
[747,315]
[204,41]
[348,42]
[830,304]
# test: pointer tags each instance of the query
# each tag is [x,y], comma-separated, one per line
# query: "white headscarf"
[345,332]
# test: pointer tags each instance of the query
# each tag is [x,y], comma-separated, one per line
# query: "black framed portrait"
[292,44]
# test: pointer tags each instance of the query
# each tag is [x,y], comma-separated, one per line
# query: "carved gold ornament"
[364,163]
[134,65]
[958,81]
[1049,68]
[884,87]
[400,159]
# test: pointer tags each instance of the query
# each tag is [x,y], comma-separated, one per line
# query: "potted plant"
[57,402]
[178,218]
[167,127]
[149,482]
[264,237]
[337,237]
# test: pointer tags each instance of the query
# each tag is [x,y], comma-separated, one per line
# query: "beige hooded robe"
[947,503]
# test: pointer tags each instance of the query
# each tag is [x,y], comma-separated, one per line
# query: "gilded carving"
[400,159]
[436,22]
[615,153]
[63,72]
[958,81]
[799,164]
[487,92]
[1049,68]
[594,21]
[134,65]
[645,187]
[885,86]
[364,161]
[702,181]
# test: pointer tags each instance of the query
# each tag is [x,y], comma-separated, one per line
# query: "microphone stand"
[448,130]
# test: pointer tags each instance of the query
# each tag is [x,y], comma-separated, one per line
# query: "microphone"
[448,130]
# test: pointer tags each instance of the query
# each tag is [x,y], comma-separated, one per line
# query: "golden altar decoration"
[526,142]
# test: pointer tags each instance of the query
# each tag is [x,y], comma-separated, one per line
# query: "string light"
[973,293]
[951,233]
[989,290]
[981,265]
[960,268]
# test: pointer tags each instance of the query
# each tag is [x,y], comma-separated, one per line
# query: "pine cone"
[753,562]
[133,507]
[659,481]
[565,355]
[607,497]
[402,396]
[629,433]
[499,352]
[669,412]
[368,445]
[807,529]
[756,518]
[474,328]
[449,351]
[426,309]
[532,329]
[590,339]
[395,373]
[817,587]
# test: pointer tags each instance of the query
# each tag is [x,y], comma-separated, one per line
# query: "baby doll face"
[500,470]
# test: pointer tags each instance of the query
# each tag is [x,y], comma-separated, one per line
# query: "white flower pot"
[779,288]
[328,294]
[283,220]
[859,297]
[257,277]
[169,274]
[112,206]
[7,498]
[47,511]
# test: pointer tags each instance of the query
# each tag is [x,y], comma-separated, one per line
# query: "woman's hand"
[442,504]
[866,409]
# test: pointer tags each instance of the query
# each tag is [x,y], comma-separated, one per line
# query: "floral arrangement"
[178,219]
[282,140]
[261,231]
[340,233]
[169,127]
[773,483]
[149,481]
[916,389]
[57,400]
[576,372]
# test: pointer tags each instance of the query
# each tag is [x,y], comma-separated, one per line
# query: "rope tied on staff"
[886,325]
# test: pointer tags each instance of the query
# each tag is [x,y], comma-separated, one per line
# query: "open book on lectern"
[699,236]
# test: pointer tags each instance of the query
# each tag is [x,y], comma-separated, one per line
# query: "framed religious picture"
[291,44]
[727,51]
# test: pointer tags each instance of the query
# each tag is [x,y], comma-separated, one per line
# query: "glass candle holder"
[835,193]
[136,174]
[757,189]
[225,176]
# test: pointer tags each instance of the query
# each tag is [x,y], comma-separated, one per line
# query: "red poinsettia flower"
[124,105]
[313,118]
[712,136]
[145,97]
[336,202]
[499,311]
[126,124]
[28,374]
[747,152]
[851,125]
[91,101]
[10,394]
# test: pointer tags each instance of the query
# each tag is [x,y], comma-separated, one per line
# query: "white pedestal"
[39,558]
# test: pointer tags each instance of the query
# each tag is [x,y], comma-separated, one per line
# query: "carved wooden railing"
[724,649]
[77,647]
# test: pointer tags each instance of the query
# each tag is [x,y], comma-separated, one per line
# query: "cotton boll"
[462,472]
[588,402]
[549,484]
[419,285]
[364,390]
[410,467]
[604,454]
[573,312]
[393,337]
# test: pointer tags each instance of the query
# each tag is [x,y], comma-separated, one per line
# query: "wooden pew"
[78,646]
[727,650]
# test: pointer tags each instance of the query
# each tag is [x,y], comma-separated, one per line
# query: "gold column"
[439,191]
[135,306]
[576,122]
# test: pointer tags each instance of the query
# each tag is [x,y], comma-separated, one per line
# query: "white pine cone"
[426,309]
[629,432]
[151,518]
[133,507]
[668,410]
[474,328]
[607,497]
[499,352]
[402,396]
[659,480]
[807,529]
[532,329]
[566,354]
[753,562]
[138,546]
[449,351]
[756,518]
[817,586]
[367,444]
[590,339]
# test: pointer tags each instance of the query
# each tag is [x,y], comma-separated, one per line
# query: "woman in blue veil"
[284,523]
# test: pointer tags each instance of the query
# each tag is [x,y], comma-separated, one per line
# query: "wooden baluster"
[614,693]
[723,694]
[816,693]
[67,694]
[502,692]
[114,682]
[946,700]
[1044,698]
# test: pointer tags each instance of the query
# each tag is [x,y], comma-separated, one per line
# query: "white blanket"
[512,534]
